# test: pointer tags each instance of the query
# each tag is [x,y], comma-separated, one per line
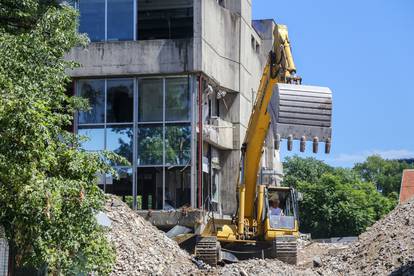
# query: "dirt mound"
[141,248]
[385,248]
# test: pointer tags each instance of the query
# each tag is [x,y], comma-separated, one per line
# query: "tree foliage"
[303,169]
[385,174]
[336,201]
[48,192]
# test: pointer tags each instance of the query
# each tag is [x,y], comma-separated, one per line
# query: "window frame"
[105,125]
[135,124]
[134,21]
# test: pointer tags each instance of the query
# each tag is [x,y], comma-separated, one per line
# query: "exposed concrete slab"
[167,219]
[230,163]
[219,133]
[124,58]
[220,44]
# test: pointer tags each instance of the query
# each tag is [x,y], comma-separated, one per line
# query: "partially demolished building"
[171,84]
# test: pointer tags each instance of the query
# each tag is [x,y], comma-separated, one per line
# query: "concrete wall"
[123,58]
[228,57]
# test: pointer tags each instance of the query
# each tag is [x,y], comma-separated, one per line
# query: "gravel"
[263,267]
[141,248]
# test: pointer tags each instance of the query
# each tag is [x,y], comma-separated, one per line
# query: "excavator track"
[208,250]
[285,249]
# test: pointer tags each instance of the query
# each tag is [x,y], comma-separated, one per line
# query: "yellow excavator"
[266,223]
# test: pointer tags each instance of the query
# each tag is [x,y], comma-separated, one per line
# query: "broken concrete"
[387,248]
[141,248]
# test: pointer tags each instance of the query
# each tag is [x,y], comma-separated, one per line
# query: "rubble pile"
[308,252]
[263,267]
[386,248]
[141,248]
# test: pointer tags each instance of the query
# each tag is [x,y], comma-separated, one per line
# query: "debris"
[317,262]
[263,267]
[103,219]
[141,248]
[387,248]
[200,264]
[178,230]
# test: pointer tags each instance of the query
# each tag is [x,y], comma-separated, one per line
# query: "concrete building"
[171,84]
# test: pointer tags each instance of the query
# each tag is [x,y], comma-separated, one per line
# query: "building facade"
[171,84]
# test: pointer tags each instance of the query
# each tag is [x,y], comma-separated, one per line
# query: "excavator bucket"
[302,112]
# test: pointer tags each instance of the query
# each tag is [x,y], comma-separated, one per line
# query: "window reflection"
[96,138]
[150,101]
[150,145]
[177,99]
[93,90]
[119,140]
[120,20]
[177,144]
[120,101]
[92,19]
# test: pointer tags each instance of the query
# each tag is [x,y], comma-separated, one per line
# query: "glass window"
[154,22]
[121,186]
[119,140]
[120,101]
[150,100]
[177,144]
[93,90]
[150,145]
[177,187]
[92,19]
[120,20]
[96,138]
[177,100]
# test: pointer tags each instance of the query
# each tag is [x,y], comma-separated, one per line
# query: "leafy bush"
[48,192]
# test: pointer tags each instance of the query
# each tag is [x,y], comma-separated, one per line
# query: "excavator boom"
[297,112]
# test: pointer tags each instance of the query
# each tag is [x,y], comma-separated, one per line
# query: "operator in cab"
[274,209]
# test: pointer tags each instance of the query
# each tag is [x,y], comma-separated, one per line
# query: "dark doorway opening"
[150,192]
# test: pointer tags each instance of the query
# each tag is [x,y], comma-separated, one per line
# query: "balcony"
[219,133]
[123,58]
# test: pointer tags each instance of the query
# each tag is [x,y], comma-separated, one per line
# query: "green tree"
[303,169]
[48,192]
[385,174]
[336,201]
[340,204]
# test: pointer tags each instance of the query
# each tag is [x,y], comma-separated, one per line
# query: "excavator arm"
[298,113]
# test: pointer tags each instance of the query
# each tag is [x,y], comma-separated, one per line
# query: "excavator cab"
[281,225]
[282,208]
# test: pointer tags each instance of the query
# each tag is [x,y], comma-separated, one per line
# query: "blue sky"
[364,51]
